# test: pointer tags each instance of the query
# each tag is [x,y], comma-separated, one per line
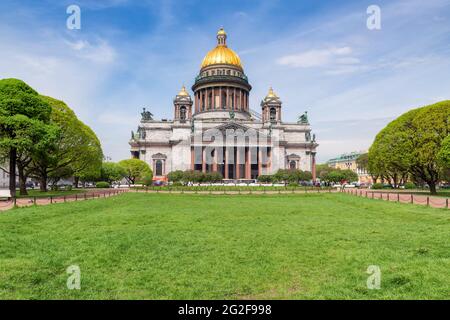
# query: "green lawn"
[164,246]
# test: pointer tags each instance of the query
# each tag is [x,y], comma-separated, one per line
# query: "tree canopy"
[328,174]
[411,145]
[112,172]
[76,151]
[43,138]
[24,129]
[135,169]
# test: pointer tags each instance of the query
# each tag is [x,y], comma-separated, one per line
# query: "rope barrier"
[442,203]
[401,198]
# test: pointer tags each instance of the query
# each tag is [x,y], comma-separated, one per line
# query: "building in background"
[348,161]
[198,138]
[4,180]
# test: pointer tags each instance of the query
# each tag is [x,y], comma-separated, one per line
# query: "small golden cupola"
[271,107]
[183,106]
[183,92]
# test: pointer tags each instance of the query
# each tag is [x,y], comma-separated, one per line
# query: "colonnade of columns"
[232,162]
[221,98]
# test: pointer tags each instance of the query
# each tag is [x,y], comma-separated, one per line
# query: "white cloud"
[319,58]
[101,52]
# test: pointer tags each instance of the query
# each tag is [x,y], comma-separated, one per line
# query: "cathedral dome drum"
[221,85]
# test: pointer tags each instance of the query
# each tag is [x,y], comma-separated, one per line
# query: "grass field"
[162,246]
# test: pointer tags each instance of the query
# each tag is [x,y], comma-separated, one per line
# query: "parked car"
[29,185]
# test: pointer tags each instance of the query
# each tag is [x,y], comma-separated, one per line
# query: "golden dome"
[271,94]
[221,32]
[221,54]
[183,92]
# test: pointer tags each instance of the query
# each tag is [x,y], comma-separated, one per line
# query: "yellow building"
[348,161]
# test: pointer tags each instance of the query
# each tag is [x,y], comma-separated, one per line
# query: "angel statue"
[146,115]
[303,119]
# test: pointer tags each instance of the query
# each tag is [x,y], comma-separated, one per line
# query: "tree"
[444,153]
[362,161]
[135,169]
[336,175]
[176,176]
[323,170]
[292,175]
[193,176]
[112,172]
[411,144]
[444,158]
[23,115]
[212,177]
[76,148]
[265,178]
[349,175]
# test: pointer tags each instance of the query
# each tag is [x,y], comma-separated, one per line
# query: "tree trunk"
[432,186]
[12,171]
[76,181]
[43,183]
[22,181]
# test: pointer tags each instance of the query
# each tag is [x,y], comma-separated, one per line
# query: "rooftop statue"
[232,115]
[146,115]
[303,119]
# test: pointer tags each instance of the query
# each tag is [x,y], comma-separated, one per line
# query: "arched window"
[292,165]
[183,113]
[273,114]
[159,168]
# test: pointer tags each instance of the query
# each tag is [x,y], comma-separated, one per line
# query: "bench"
[5,195]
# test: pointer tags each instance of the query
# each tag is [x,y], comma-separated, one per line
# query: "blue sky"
[318,56]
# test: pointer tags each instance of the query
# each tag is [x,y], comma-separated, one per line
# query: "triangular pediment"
[232,126]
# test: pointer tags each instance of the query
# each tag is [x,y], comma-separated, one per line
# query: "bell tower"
[271,108]
[183,106]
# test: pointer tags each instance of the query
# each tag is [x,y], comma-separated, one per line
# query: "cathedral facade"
[214,130]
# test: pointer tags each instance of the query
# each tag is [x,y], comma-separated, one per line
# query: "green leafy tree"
[176,176]
[444,153]
[412,145]
[212,177]
[292,176]
[76,148]
[112,172]
[135,169]
[193,176]
[265,179]
[282,175]
[341,176]
[23,115]
[444,159]
[323,170]
[363,161]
